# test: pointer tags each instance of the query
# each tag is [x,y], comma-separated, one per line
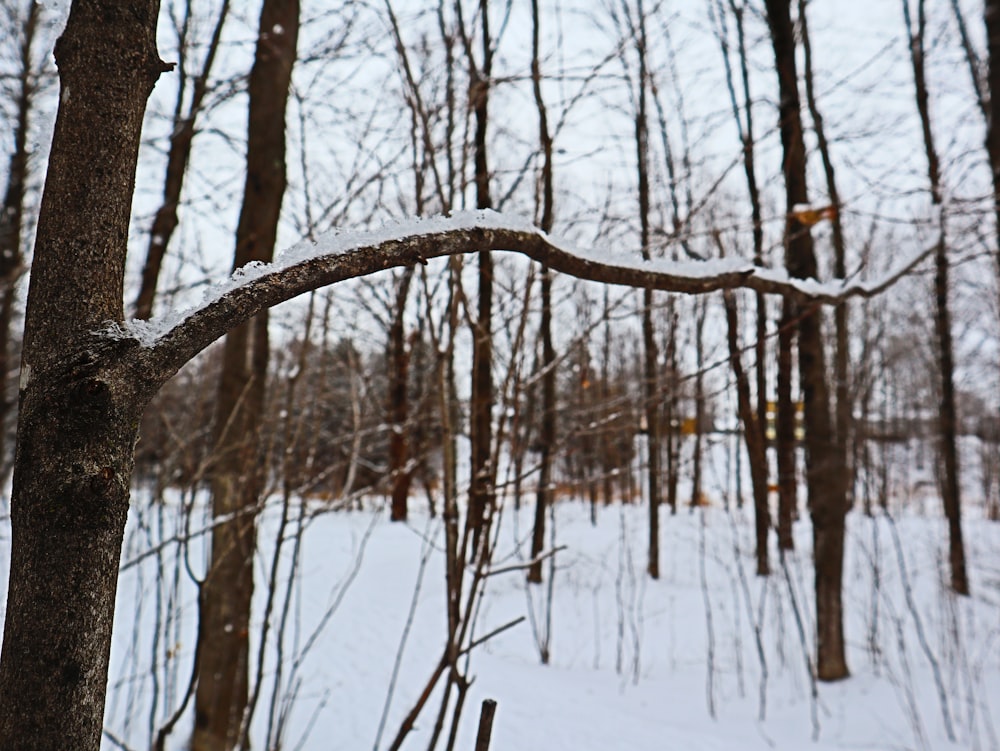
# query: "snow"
[339,242]
[631,663]
[330,244]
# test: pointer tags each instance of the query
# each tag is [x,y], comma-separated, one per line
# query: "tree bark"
[824,468]
[237,474]
[79,401]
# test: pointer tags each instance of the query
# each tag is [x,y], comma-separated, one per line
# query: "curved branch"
[171,340]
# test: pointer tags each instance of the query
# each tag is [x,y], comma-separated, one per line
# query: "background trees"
[357,163]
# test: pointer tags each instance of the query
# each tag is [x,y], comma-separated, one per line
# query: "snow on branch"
[174,338]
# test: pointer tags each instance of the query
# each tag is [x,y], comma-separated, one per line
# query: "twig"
[526,564]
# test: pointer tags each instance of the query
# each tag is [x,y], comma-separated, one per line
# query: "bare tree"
[753,416]
[824,469]
[87,375]
[481,491]
[547,433]
[237,477]
[844,409]
[179,154]
[12,211]
[947,413]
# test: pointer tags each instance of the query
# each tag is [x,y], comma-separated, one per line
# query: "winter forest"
[500,374]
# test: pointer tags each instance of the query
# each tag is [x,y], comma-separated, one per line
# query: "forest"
[499,374]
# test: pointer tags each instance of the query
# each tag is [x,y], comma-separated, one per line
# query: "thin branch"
[171,341]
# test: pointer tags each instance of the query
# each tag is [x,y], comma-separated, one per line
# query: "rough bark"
[824,466]
[237,477]
[80,399]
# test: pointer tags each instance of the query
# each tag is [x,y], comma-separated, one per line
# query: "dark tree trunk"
[753,436]
[651,380]
[991,17]
[547,433]
[400,474]
[844,410]
[824,466]
[784,429]
[12,210]
[237,474]
[948,417]
[165,220]
[481,492]
[80,398]
[699,403]
[753,416]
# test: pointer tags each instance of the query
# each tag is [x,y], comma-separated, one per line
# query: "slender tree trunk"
[948,417]
[81,396]
[481,491]
[844,410]
[237,476]
[399,404]
[12,209]
[991,17]
[699,403]
[753,435]
[547,434]
[785,440]
[651,380]
[178,156]
[673,408]
[824,468]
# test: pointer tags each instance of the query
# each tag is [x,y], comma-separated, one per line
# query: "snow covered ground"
[635,664]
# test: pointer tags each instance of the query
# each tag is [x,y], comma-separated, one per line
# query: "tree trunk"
[784,429]
[948,417]
[991,17]
[547,433]
[181,140]
[824,466]
[481,491]
[237,475]
[81,397]
[752,415]
[753,436]
[650,381]
[844,410]
[398,361]
[12,210]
